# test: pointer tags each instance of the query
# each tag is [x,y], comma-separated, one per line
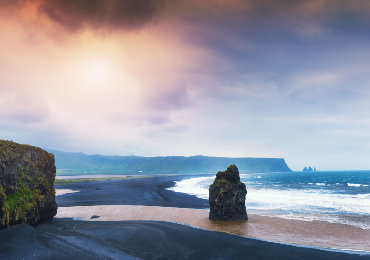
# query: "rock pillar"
[227,196]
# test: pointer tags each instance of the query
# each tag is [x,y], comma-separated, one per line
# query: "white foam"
[353,185]
[306,204]
[193,186]
[321,217]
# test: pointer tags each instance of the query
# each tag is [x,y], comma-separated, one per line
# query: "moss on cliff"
[27,192]
[24,200]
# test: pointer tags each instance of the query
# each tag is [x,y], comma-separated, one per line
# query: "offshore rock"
[227,196]
[27,193]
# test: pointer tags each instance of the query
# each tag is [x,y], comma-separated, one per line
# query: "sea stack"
[27,193]
[227,196]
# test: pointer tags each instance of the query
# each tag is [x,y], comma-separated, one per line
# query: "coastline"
[151,199]
[141,219]
[273,229]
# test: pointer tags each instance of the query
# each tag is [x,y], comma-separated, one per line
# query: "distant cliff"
[27,192]
[80,163]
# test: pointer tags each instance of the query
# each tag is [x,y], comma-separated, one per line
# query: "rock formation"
[27,193]
[227,196]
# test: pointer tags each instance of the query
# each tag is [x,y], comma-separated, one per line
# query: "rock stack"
[227,196]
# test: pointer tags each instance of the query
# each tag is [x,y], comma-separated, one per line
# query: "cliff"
[80,163]
[227,196]
[27,192]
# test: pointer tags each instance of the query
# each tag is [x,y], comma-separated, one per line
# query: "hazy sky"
[237,78]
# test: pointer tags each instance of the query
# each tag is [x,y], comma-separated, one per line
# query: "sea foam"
[321,202]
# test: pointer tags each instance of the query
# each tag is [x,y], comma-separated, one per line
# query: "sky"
[230,78]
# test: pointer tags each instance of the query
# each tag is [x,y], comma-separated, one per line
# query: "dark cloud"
[96,14]
[77,14]
[16,3]
[240,15]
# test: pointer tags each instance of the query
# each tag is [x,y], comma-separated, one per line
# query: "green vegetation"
[220,183]
[2,194]
[26,192]
[24,200]
[80,163]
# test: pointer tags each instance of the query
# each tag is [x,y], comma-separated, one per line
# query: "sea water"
[333,196]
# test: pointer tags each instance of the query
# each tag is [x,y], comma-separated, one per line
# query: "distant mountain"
[69,163]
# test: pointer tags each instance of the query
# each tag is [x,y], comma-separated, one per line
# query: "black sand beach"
[149,191]
[68,239]
[65,238]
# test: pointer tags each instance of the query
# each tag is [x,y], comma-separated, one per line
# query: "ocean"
[334,196]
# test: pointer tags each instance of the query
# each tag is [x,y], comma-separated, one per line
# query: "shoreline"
[64,238]
[141,198]
[316,234]
[182,229]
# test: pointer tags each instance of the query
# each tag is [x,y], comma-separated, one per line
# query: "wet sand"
[73,239]
[190,210]
[59,192]
[310,233]
[140,201]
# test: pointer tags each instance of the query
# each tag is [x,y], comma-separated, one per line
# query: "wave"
[305,204]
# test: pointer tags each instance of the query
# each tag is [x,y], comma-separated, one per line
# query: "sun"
[97,72]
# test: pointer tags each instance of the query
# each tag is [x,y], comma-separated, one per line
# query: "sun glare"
[97,72]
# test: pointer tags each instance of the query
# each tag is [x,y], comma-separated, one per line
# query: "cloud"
[213,77]
[94,14]
[24,109]
[164,94]
[310,16]
[74,15]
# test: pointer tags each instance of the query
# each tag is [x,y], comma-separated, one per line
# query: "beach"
[142,218]
[309,233]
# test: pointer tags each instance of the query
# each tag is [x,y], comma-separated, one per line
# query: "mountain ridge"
[70,162]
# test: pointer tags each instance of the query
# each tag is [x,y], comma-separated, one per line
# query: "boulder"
[27,193]
[227,196]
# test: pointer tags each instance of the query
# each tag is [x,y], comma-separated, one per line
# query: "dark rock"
[94,216]
[27,193]
[227,196]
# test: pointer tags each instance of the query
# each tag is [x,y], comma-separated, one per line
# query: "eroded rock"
[27,193]
[227,196]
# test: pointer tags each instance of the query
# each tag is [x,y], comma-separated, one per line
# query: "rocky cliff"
[27,192]
[227,196]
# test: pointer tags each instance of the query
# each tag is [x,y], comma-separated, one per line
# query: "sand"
[141,202]
[309,233]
